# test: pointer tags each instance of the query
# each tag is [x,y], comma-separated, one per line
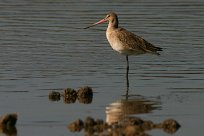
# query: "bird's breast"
[114,41]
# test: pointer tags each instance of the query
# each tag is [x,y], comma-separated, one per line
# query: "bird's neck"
[113,23]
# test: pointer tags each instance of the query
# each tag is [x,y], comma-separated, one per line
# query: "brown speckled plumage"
[130,43]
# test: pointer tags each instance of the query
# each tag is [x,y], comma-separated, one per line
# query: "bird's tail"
[158,49]
[154,50]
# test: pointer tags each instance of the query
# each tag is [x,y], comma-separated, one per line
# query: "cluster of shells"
[83,95]
[129,126]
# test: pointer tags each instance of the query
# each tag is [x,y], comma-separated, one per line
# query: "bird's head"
[110,17]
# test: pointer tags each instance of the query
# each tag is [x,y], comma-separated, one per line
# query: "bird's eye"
[107,16]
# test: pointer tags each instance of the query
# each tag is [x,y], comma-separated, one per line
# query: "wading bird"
[125,42]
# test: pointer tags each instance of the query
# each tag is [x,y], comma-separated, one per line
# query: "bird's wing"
[135,42]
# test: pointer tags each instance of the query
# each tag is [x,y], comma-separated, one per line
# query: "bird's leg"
[127,71]
[127,63]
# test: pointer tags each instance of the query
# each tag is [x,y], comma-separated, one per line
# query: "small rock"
[85,100]
[54,96]
[68,92]
[170,126]
[70,95]
[89,122]
[8,120]
[76,126]
[148,125]
[85,92]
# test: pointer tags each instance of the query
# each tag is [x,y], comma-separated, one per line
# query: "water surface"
[43,48]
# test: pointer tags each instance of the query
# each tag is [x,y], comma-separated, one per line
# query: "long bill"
[99,22]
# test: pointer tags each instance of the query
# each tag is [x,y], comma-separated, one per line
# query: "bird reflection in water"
[121,120]
[122,108]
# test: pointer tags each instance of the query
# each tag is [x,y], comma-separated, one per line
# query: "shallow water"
[43,47]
